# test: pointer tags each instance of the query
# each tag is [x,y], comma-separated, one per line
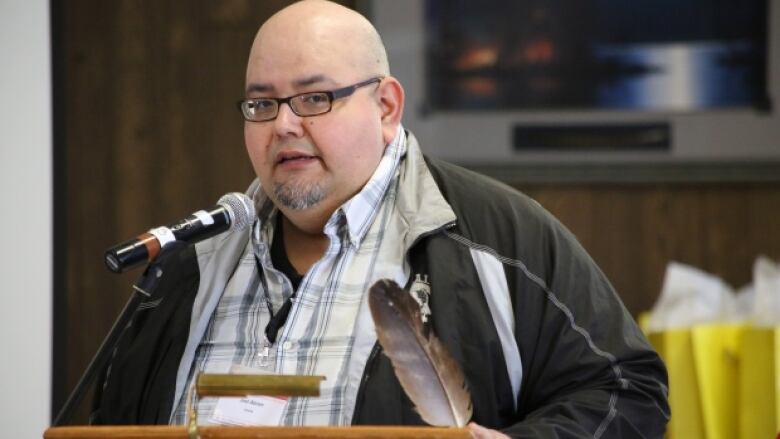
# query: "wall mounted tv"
[552,86]
[604,54]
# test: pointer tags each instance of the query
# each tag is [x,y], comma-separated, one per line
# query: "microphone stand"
[142,289]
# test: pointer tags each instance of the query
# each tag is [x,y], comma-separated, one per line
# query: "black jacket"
[585,369]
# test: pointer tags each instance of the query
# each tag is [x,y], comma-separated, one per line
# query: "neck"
[303,247]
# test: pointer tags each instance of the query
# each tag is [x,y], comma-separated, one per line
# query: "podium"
[180,432]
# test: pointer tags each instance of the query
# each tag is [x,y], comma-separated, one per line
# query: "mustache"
[302,146]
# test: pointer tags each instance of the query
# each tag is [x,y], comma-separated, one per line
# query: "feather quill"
[428,374]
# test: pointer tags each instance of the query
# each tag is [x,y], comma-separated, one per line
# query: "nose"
[288,123]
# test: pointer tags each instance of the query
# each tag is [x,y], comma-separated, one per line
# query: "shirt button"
[287,345]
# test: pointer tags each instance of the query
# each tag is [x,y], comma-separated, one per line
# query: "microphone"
[234,211]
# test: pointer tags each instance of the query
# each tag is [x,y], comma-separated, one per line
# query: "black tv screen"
[658,55]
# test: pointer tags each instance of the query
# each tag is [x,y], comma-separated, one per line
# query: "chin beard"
[298,195]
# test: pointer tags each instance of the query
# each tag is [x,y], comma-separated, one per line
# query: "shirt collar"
[361,209]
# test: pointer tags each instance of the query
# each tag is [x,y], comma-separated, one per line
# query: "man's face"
[315,162]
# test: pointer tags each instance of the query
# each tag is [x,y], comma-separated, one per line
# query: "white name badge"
[248,411]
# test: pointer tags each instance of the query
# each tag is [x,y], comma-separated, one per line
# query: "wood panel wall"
[148,132]
[633,231]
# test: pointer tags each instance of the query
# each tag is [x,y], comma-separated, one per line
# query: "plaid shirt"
[319,334]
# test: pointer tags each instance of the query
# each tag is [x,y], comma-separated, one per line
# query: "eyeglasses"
[311,103]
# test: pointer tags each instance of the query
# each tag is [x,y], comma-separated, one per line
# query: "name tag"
[248,411]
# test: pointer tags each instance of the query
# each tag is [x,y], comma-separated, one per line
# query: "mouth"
[293,157]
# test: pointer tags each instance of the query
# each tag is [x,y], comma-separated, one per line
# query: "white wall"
[25,218]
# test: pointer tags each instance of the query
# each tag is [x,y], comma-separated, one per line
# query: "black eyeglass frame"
[331,94]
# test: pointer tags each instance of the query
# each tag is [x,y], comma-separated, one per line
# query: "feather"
[428,374]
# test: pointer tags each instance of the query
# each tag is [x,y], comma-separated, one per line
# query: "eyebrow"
[256,87]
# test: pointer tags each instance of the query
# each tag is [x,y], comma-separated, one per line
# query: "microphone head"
[240,208]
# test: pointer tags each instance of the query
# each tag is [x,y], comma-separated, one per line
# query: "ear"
[391,103]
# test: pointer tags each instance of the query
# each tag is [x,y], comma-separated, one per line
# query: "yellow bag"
[676,349]
[715,352]
[759,379]
[723,381]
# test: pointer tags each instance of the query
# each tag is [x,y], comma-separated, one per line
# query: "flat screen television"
[595,54]
[524,84]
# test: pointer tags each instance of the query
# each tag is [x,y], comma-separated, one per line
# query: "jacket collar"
[420,202]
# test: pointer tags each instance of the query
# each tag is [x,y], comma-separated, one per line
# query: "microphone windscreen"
[240,208]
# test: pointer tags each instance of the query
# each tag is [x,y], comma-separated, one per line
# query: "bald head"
[327,29]
[309,165]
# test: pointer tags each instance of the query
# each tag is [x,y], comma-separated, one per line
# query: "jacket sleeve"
[138,384]
[588,371]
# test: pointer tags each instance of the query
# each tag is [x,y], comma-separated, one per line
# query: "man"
[344,198]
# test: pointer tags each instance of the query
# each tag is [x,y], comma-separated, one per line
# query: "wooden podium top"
[148,432]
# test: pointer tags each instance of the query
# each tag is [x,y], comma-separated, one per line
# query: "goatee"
[298,195]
